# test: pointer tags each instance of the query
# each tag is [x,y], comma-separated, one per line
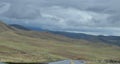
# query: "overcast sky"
[100,17]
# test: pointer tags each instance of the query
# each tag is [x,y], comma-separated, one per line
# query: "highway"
[69,62]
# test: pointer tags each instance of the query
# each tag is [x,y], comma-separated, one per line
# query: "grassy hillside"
[31,46]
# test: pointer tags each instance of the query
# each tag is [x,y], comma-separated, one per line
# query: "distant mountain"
[19,44]
[19,27]
[113,40]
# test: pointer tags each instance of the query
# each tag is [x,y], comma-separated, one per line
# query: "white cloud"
[72,17]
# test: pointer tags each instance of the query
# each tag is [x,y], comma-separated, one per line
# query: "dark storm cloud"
[90,16]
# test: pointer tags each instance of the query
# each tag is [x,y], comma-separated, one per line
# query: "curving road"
[60,62]
[69,62]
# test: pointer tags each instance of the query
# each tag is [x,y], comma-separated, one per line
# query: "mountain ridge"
[19,27]
[113,40]
[17,45]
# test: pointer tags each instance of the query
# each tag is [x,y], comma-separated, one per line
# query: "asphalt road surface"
[69,62]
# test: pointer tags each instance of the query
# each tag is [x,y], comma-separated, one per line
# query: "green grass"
[47,47]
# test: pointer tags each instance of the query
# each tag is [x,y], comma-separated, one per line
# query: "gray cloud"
[89,16]
[4,7]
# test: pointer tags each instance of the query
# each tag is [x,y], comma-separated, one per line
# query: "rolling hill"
[113,40]
[18,45]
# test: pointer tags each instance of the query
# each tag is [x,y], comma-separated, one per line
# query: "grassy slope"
[19,48]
